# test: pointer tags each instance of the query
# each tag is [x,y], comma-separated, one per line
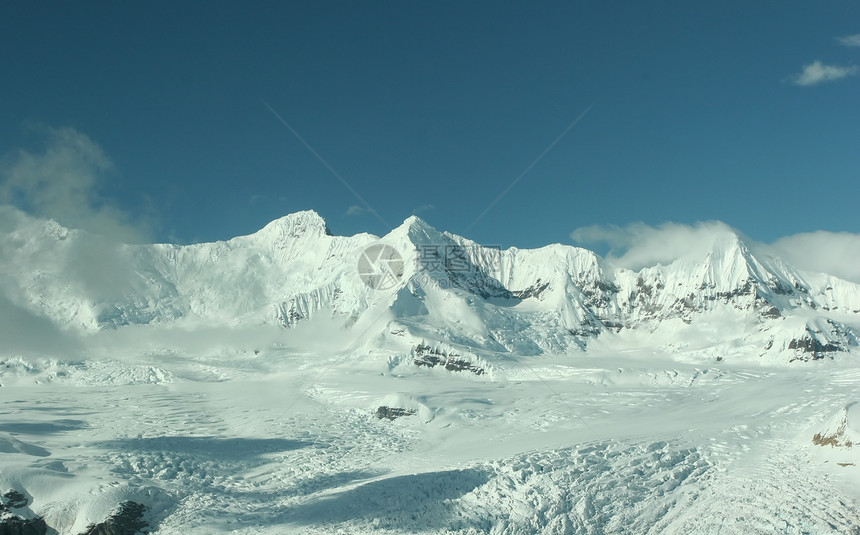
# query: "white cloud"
[817,73]
[639,245]
[356,210]
[423,208]
[62,182]
[836,253]
[26,333]
[849,40]
[612,235]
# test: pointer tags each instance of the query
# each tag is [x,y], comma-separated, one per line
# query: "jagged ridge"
[451,289]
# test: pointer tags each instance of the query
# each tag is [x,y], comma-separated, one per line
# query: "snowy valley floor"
[278,442]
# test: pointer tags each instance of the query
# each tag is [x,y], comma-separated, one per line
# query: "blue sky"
[744,112]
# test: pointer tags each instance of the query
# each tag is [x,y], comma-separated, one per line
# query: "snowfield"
[578,444]
[260,386]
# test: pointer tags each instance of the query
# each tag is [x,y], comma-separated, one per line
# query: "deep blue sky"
[437,107]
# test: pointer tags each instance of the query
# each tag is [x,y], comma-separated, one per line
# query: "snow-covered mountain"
[292,381]
[429,289]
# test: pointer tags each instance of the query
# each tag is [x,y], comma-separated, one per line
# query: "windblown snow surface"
[258,386]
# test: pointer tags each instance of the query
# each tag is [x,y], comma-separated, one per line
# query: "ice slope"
[450,290]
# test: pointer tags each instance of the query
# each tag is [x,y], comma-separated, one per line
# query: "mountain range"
[430,292]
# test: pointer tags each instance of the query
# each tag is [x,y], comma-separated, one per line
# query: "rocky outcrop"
[393,413]
[127,520]
[14,500]
[15,525]
[813,346]
[14,517]
[532,292]
[424,355]
[822,339]
[842,430]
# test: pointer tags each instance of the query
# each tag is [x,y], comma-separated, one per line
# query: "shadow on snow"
[42,428]
[223,449]
[418,500]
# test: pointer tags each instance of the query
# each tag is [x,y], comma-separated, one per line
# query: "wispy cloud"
[355,209]
[836,253]
[818,73]
[639,245]
[63,182]
[25,332]
[849,40]
[423,208]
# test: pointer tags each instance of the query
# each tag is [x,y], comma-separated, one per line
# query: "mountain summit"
[435,288]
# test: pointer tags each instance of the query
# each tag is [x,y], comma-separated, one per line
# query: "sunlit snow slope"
[450,290]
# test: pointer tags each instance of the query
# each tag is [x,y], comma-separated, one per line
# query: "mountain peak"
[727,240]
[725,246]
[716,245]
[295,225]
[415,221]
[416,230]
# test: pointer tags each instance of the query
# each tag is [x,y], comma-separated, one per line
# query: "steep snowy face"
[727,274]
[283,272]
[306,224]
[435,286]
[67,276]
[793,313]
[279,274]
[556,297]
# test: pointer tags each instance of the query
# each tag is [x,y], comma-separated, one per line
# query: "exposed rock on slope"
[842,430]
[16,518]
